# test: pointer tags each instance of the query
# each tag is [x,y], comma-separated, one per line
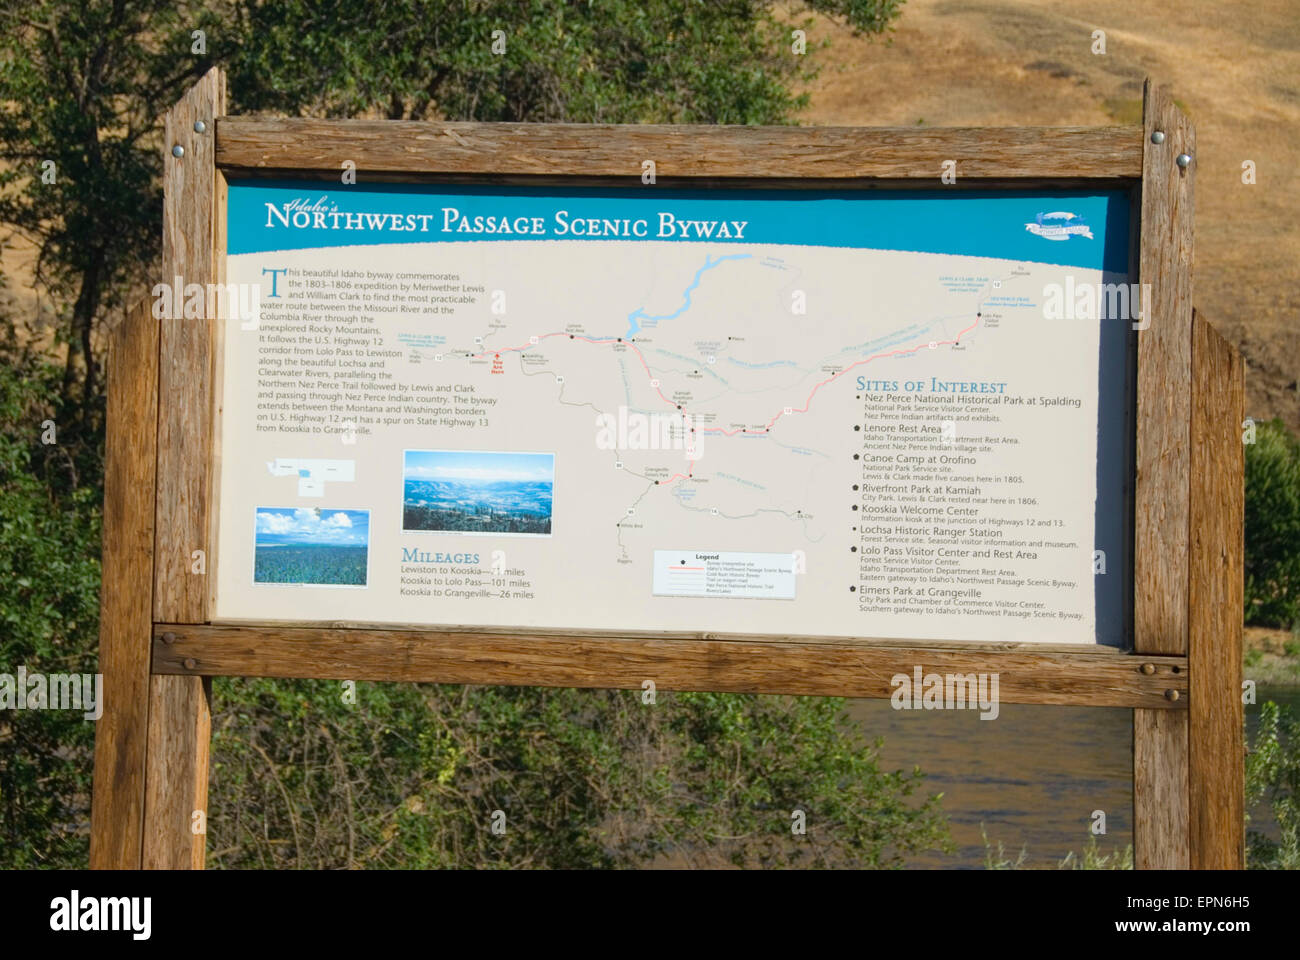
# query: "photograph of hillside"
[458,491]
[313,546]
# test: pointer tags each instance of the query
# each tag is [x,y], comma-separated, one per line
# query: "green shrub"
[1273,775]
[1273,527]
[409,776]
[1093,859]
[1000,860]
[49,617]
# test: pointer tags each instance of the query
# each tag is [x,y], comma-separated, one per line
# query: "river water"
[1032,776]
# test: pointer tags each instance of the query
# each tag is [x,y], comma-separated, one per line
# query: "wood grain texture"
[186,351]
[1163,389]
[126,593]
[221,193]
[1161,496]
[328,178]
[1094,679]
[176,781]
[1217,594]
[1160,809]
[979,647]
[593,150]
[180,727]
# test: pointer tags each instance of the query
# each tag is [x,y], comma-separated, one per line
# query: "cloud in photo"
[316,525]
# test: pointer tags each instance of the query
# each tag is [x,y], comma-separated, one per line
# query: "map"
[893,415]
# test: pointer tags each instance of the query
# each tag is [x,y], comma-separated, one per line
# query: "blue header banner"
[1088,229]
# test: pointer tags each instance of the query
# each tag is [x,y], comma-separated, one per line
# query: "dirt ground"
[1236,72]
[1271,657]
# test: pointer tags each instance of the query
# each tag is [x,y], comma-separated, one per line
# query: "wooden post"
[126,593]
[179,717]
[1161,498]
[1216,775]
[180,724]
[187,352]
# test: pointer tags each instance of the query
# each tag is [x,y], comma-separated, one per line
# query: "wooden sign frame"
[158,649]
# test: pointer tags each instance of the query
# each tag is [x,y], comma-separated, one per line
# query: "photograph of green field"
[312,546]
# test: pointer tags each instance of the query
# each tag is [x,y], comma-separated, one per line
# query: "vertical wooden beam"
[126,593]
[186,351]
[1164,382]
[176,781]
[221,194]
[1160,812]
[1216,776]
[1161,507]
[180,726]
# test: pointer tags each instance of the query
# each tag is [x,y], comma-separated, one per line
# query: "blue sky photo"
[316,546]
[470,466]
[312,525]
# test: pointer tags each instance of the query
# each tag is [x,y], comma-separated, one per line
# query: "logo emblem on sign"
[1059,226]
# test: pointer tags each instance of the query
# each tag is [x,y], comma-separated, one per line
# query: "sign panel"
[892,414]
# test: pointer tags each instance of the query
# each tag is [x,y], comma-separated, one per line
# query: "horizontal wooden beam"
[1105,679]
[824,154]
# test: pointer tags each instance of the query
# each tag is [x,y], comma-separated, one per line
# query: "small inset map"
[312,474]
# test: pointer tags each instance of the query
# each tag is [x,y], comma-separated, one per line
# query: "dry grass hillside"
[1234,69]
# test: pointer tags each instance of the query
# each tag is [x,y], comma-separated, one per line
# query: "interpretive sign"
[807,413]
[738,409]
